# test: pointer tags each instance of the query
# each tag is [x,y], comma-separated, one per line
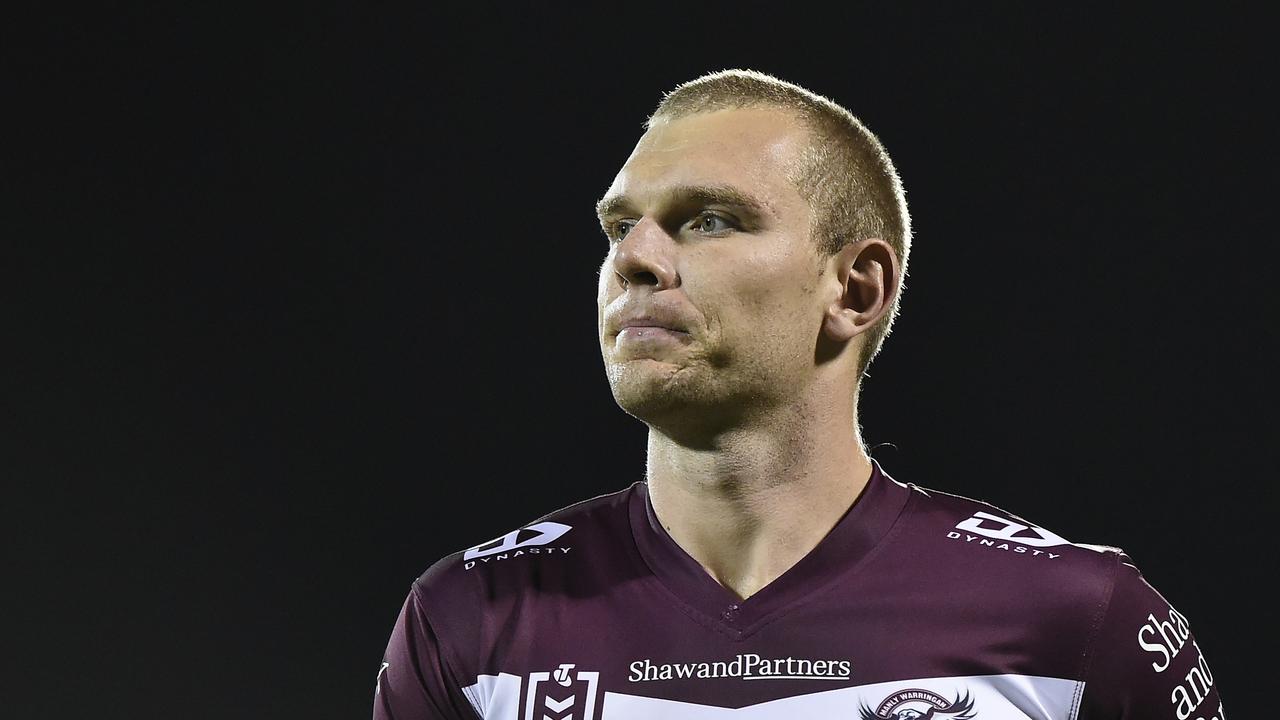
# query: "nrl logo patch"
[561,695]
[918,704]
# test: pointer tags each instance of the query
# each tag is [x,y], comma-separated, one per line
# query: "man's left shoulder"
[1007,553]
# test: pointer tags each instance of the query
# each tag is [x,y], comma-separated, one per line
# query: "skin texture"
[753,451]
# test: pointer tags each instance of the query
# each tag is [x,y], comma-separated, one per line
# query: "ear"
[868,275]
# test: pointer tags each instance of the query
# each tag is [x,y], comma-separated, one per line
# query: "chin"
[647,389]
[680,411]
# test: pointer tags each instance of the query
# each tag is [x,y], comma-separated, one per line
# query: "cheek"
[753,304]
[772,287]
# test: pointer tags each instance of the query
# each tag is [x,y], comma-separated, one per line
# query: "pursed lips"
[648,323]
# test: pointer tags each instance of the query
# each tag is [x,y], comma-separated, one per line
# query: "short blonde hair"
[846,176]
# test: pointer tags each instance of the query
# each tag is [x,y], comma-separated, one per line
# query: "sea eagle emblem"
[919,704]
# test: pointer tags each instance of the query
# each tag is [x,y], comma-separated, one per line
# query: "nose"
[646,256]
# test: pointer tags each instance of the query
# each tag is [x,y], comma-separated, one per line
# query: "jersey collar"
[854,537]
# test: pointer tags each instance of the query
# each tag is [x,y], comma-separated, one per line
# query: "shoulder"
[1009,563]
[471,596]
[1145,662]
[992,526]
[537,554]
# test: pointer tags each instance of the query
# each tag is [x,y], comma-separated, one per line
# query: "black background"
[303,300]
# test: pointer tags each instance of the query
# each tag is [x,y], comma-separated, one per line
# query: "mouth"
[649,333]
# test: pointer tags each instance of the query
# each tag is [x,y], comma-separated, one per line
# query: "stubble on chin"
[649,390]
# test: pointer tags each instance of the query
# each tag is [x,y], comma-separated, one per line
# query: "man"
[758,240]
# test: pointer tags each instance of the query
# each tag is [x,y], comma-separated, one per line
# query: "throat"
[753,508]
[745,549]
[745,587]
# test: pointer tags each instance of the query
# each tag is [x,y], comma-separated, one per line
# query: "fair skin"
[750,395]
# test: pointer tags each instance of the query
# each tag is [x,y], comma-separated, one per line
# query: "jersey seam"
[446,651]
[1086,663]
[572,506]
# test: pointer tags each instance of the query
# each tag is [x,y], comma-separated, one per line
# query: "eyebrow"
[692,194]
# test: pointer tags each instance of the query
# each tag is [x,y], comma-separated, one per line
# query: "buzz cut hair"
[845,174]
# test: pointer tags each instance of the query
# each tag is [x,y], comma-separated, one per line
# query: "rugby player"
[766,566]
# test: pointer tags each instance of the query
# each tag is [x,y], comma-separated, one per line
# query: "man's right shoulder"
[558,551]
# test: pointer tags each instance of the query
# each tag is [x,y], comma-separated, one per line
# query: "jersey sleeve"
[1146,664]
[416,681]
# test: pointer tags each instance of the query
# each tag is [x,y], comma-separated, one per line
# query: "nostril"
[643,277]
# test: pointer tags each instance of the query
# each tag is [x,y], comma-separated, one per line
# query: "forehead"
[755,150]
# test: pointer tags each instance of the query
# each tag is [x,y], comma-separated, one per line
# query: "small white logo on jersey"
[1007,535]
[548,532]
[1009,530]
[578,701]
[377,682]
[511,546]
[562,674]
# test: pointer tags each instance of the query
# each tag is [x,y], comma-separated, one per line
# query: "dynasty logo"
[1000,533]
[918,704]
[525,541]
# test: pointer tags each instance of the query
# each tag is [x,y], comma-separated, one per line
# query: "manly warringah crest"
[561,695]
[919,704]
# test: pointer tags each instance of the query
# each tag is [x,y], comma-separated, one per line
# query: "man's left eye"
[711,224]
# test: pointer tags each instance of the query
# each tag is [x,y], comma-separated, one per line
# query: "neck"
[755,500]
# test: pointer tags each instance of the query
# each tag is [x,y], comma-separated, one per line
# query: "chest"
[645,654]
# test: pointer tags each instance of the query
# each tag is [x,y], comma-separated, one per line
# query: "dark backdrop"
[303,300]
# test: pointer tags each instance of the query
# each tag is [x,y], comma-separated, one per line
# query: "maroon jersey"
[918,604]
